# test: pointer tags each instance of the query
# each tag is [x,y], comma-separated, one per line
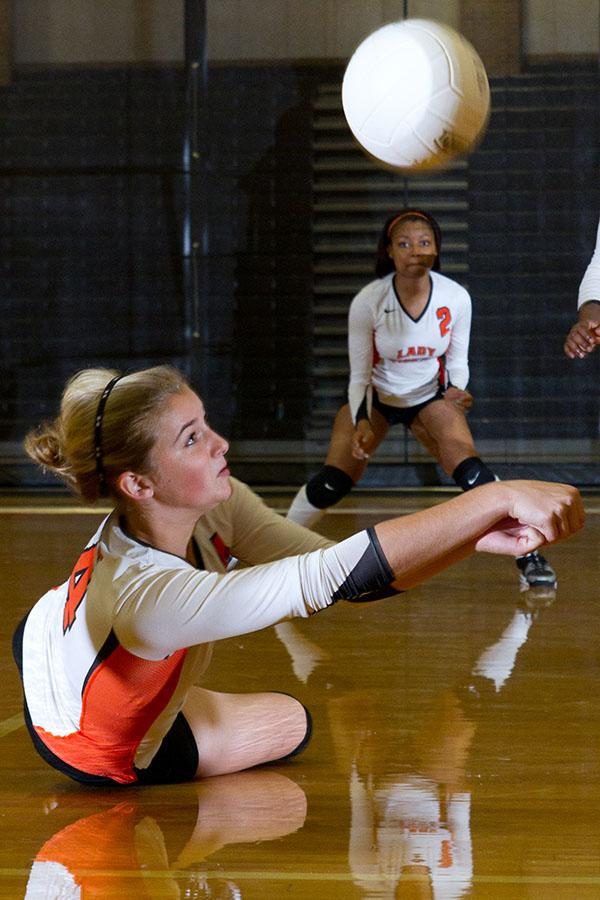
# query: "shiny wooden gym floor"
[456,747]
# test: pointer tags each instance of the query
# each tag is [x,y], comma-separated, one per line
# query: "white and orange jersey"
[589,289]
[109,655]
[406,359]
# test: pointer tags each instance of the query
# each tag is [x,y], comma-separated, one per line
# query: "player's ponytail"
[44,446]
[108,424]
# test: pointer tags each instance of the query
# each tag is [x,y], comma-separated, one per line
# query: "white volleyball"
[416,95]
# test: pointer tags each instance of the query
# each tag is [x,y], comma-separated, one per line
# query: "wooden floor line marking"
[591,509]
[384,511]
[55,510]
[11,724]
[234,875]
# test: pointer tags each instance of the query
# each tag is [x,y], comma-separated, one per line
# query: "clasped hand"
[582,339]
[539,513]
[460,398]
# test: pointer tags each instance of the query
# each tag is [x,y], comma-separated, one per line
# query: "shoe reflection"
[155,835]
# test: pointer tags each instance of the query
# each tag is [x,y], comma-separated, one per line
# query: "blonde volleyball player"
[584,335]
[110,659]
[408,340]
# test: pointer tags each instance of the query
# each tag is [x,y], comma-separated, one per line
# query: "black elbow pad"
[370,579]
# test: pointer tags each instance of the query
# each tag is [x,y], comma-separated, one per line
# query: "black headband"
[98,432]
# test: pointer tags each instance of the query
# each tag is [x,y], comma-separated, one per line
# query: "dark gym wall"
[91,192]
[534,198]
[90,162]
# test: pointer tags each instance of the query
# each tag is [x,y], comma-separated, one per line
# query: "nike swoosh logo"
[390,310]
[329,487]
[471,481]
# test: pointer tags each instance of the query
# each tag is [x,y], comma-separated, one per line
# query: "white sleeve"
[457,354]
[361,328]
[589,289]
[163,610]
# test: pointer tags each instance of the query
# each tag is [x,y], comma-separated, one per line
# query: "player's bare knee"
[299,725]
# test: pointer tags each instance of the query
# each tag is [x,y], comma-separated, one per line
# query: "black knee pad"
[472,472]
[328,486]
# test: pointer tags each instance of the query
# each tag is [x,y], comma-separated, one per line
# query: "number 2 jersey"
[407,360]
[109,656]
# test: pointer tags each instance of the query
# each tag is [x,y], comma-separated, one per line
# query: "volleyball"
[416,95]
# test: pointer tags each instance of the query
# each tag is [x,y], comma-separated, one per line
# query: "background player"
[408,341]
[110,659]
[584,335]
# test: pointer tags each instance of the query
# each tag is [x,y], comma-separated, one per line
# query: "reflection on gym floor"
[99,852]
[455,750]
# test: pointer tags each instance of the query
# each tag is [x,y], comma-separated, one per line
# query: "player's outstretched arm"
[584,336]
[510,517]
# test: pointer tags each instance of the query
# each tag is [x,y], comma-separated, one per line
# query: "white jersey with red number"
[109,656]
[589,289]
[407,359]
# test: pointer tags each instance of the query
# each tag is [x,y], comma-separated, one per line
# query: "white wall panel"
[88,31]
[557,28]
[311,29]
[447,11]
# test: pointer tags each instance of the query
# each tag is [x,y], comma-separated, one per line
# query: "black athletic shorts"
[402,415]
[175,761]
